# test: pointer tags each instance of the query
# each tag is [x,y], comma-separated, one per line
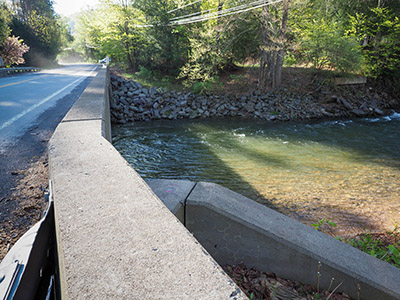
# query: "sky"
[69,7]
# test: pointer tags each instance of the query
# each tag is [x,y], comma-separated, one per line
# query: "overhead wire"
[198,13]
[236,9]
[225,12]
[186,5]
[203,11]
[191,18]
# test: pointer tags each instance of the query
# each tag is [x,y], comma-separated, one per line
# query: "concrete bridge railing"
[117,240]
[236,229]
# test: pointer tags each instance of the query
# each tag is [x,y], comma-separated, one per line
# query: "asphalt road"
[23,98]
[31,107]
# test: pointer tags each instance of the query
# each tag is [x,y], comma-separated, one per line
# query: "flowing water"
[345,171]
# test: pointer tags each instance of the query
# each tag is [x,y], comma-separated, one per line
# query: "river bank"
[132,102]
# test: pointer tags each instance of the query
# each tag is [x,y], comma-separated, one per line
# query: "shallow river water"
[345,171]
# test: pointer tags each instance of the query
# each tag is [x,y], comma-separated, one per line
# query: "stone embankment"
[133,102]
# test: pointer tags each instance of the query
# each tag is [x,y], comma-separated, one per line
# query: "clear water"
[344,171]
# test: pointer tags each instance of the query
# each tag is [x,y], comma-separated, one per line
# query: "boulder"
[378,111]
[359,112]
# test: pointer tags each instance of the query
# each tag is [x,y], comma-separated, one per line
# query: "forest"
[194,42]
[31,33]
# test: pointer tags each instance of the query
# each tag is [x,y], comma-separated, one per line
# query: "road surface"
[23,98]
[31,107]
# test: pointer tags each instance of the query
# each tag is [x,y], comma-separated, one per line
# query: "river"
[347,172]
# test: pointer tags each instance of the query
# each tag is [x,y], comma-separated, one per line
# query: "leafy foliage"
[167,46]
[379,33]
[323,45]
[204,61]
[111,30]
[377,248]
[36,22]
[323,225]
[4,21]
[348,36]
[12,51]
[320,37]
[384,246]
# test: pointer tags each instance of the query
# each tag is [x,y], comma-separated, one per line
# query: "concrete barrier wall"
[115,238]
[234,228]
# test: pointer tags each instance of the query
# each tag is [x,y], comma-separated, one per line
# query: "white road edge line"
[20,115]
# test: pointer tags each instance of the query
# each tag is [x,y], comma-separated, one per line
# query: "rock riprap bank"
[131,102]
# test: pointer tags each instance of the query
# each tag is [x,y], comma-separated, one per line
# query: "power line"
[143,26]
[198,13]
[203,11]
[178,8]
[225,12]
[219,14]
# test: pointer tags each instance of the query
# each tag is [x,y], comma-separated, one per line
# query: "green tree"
[320,38]
[36,22]
[224,39]
[273,44]
[195,41]
[325,45]
[206,51]
[66,37]
[379,34]
[114,30]
[4,22]
[217,44]
[86,41]
[168,46]
[124,32]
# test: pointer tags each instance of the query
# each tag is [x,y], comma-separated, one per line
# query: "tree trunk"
[132,65]
[220,5]
[265,53]
[128,46]
[281,49]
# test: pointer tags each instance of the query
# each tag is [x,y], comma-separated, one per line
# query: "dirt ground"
[258,285]
[26,203]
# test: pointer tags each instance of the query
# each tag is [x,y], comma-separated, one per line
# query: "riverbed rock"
[359,112]
[346,104]
[131,101]
[379,111]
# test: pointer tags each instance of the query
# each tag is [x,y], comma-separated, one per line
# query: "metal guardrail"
[10,71]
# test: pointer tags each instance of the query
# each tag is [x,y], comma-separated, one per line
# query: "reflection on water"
[345,171]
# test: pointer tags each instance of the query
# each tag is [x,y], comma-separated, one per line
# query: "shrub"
[379,34]
[376,248]
[324,45]
[12,51]
[145,74]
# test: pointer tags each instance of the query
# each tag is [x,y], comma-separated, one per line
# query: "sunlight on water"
[345,171]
